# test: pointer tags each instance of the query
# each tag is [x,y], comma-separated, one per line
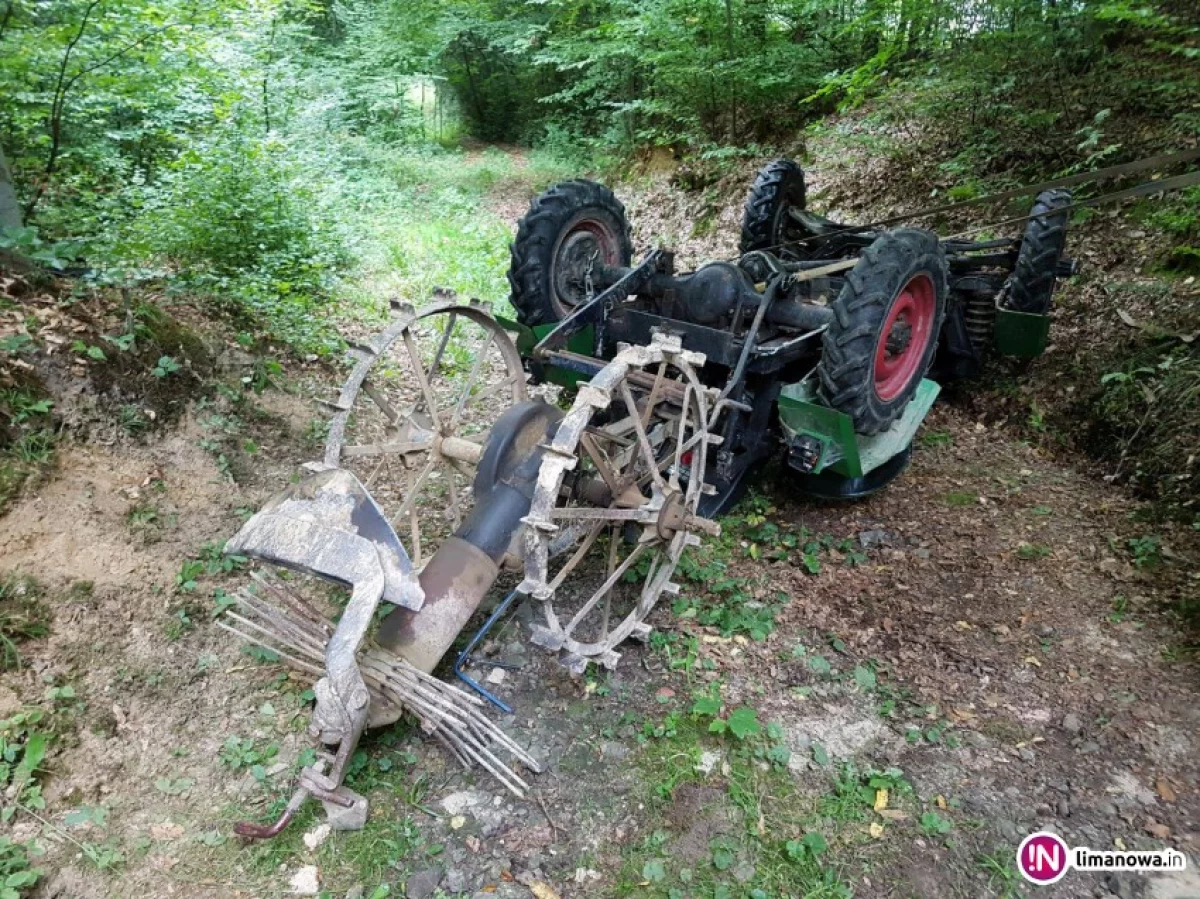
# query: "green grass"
[23,616]
[430,224]
[778,839]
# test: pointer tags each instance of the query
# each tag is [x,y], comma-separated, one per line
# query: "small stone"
[1027,754]
[496,676]
[616,752]
[1064,808]
[1157,830]
[1089,747]
[870,539]
[1072,724]
[708,761]
[744,873]
[356,892]
[315,837]
[455,881]
[306,881]
[423,884]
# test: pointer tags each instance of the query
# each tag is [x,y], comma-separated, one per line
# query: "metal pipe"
[455,581]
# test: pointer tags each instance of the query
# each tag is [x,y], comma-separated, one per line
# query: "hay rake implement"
[819,349]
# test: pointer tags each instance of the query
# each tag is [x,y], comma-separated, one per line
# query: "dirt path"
[989,643]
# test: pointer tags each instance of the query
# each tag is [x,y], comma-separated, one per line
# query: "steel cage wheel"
[413,415]
[617,502]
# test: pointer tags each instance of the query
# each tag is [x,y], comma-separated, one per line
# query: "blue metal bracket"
[464,657]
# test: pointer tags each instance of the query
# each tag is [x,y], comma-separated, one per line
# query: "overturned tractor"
[820,349]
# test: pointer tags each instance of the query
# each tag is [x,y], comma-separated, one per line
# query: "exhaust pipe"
[467,564]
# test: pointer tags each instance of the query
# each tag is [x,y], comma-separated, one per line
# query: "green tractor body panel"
[843,451]
[582,343]
[1022,335]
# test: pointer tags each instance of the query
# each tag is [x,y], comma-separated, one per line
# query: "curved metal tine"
[643,439]
[471,378]
[422,378]
[612,479]
[452,483]
[451,321]
[409,504]
[652,400]
[606,586]
[613,537]
[680,431]
[579,553]
[376,397]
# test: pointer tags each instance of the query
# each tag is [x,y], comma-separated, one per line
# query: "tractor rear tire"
[886,322]
[1031,288]
[778,187]
[568,228]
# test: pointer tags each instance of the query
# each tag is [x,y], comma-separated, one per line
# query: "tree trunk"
[10,209]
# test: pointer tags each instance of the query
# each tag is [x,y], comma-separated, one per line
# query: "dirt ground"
[1023,671]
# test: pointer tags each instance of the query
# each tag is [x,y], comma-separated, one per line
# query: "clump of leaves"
[240,753]
[17,874]
[23,746]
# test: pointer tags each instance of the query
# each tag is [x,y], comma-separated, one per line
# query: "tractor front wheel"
[1032,285]
[885,329]
[570,230]
[766,223]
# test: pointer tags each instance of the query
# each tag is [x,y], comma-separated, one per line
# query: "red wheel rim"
[904,337]
[572,255]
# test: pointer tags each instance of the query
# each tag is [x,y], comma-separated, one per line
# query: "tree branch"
[8,14]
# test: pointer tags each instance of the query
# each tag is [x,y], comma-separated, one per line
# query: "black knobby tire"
[778,187]
[1031,287]
[895,266]
[561,214]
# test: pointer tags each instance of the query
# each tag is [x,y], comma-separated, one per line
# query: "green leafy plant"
[17,874]
[165,367]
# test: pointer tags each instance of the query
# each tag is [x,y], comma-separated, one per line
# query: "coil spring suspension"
[979,314]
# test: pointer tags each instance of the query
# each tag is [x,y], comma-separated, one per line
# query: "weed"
[1146,551]
[934,825]
[23,616]
[1001,871]
[132,420]
[166,366]
[1120,608]
[936,438]
[23,745]
[1029,551]
[959,499]
[17,875]
[34,447]
[178,624]
[240,753]
[21,405]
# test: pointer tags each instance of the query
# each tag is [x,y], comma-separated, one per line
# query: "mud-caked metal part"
[412,418]
[329,526]
[466,565]
[623,475]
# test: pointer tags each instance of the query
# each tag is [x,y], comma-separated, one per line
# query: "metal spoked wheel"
[412,418]
[616,502]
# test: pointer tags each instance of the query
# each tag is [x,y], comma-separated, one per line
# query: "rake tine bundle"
[280,621]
